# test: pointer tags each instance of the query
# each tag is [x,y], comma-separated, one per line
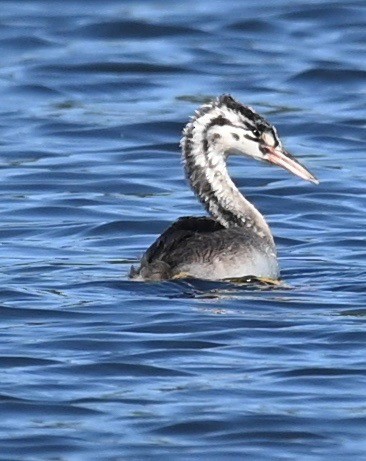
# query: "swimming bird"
[235,241]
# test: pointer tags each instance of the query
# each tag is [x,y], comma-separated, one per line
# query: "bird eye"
[256,133]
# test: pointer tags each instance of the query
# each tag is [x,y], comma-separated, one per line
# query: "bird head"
[233,128]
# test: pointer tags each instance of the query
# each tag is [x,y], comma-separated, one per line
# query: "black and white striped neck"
[207,139]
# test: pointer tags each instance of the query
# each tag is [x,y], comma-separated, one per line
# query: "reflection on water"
[93,101]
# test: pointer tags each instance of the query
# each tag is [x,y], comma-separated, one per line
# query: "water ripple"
[93,101]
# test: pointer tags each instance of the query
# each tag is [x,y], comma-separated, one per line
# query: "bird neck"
[207,173]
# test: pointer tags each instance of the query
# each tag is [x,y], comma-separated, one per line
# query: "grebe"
[236,241]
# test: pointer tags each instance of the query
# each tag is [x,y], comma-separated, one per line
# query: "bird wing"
[173,237]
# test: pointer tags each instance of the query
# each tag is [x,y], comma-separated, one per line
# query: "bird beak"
[279,156]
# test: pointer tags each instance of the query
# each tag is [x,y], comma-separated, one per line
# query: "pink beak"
[282,158]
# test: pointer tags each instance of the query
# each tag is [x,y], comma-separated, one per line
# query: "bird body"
[202,248]
[235,241]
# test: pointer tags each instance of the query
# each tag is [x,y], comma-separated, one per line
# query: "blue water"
[93,98]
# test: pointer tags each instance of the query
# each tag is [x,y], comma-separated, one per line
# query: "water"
[93,99]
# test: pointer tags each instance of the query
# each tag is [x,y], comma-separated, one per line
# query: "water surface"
[94,96]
